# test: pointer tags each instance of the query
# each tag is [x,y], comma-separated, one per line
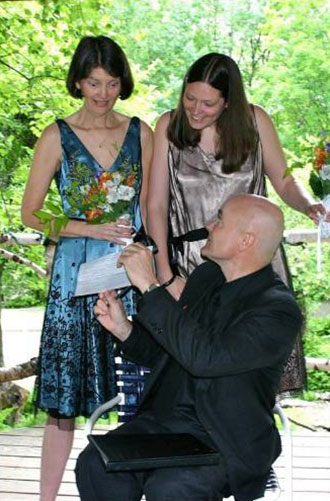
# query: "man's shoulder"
[265,289]
[206,273]
[276,296]
[201,278]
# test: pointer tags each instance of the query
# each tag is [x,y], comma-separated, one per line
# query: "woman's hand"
[314,210]
[176,288]
[116,233]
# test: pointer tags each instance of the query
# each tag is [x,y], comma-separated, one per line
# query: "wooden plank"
[24,473]
[28,441]
[32,487]
[311,441]
[23,462]
[312,473]
[305,462]
[312,452]
[14,496]
[23,440]
[33,431]
[29,452]
[307,485]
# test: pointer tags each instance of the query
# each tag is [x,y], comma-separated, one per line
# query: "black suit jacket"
[232,340]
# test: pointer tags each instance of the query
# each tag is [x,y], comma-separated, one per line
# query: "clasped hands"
[138,262]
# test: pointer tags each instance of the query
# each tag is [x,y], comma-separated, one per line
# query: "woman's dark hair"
[235,128]
[99,52]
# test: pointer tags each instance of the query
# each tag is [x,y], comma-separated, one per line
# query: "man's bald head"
[246,234]
[261,217]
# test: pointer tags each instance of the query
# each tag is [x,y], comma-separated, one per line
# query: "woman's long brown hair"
[235,128]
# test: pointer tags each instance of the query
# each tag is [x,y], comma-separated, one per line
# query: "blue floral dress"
[76,370]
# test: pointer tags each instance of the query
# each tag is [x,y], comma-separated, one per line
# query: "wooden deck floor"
[20,459]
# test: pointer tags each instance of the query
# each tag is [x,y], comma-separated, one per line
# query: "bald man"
[216,356]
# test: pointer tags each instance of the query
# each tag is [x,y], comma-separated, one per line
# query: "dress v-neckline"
[92,156]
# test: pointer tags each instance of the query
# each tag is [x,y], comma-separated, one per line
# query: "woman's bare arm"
[158,205]
[147,150]
[290,190]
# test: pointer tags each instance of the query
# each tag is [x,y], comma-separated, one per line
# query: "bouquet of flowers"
[319,179]
[103,198]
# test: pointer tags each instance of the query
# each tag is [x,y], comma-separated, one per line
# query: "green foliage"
[310,289]
[316,184]
[52,218]
[293,84]
[303,266]
[317,344]
[29,416]
[308,395]
[22,287]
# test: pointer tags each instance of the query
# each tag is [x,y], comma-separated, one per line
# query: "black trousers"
[194,483]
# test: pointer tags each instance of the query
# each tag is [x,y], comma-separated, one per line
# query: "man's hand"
[138,262]
[111,314]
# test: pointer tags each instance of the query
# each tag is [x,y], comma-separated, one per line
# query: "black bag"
[124,452]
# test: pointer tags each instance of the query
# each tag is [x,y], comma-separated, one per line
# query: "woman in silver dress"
[212,146]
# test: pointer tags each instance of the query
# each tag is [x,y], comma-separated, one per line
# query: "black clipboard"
[125,452]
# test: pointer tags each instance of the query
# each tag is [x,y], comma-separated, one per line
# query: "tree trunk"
[21,238]
[20,371]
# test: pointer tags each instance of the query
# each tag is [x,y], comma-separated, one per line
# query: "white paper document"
[100,275]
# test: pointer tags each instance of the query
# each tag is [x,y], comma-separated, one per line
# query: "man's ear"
[247,240]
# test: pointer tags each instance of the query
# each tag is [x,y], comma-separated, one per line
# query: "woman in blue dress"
[100,160]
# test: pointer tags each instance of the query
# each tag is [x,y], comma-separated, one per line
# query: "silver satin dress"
[198,188]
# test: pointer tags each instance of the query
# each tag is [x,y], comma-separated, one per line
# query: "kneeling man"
[216,356]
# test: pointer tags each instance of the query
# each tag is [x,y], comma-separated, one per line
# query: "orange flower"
[130,180]
[106,176]
[92,214]
[320,157]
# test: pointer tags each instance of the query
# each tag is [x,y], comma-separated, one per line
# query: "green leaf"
[54,208]
[326,187]
[47,229]
[57,225]
[42,215]
[316,184]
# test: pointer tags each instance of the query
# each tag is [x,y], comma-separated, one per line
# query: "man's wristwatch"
[151,287]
